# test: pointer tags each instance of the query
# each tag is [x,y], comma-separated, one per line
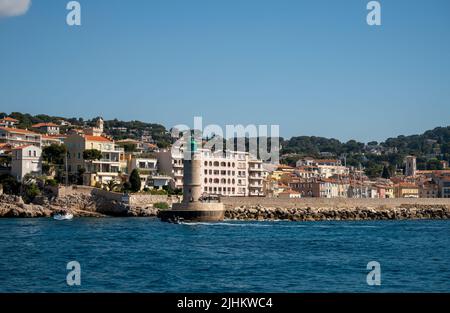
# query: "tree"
[30,192]
[10,184]
[129,147]
[434,164]
[54,154]
[135,181]
[92,154]
[386,174]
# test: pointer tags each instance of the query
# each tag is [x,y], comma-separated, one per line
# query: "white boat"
[63,216]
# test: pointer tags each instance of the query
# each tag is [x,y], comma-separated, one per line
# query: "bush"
[51,182]
[161,205]
[31,191]
[10,184]
[158,192]
[126,187]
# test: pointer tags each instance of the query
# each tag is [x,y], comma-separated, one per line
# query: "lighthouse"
[194,207]
[192,188]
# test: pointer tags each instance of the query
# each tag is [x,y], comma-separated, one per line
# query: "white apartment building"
[26,160]
[229,174]
[323,168]
[19,137]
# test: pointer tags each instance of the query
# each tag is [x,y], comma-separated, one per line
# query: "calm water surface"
[146,255]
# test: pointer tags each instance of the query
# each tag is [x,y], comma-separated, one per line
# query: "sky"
[314,67]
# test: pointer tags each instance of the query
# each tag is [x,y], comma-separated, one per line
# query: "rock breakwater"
[259,212]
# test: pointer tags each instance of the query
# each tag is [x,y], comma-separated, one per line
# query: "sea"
[147,255]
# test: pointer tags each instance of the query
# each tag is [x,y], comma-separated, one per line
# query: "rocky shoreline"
[81,205]
[78,204]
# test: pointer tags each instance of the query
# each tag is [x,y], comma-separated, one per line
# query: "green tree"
[129,147]
[135,180]
[10,184]
[386,174]
[434,164]
[92,154]
[30,191]
[54,154]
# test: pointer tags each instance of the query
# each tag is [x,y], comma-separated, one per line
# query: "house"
[289,194]
[158,181]
[26,160]
[428,189]
[384,191]
[8,122]
[321,168]
[48,140]
[19,137]
[96,171]
[135,144]
[406,190]
[146,166]
[47,128]
[444,186]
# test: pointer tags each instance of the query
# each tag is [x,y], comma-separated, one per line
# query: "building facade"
[26,160]
[229,173]
[96,171]
[19,137]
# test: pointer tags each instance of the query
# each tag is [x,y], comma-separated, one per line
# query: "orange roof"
[9,119]
[5,146]
[282,166]
[18,130]
[97,138]
[326,161]
[406,185]
[38,125]
[290,192]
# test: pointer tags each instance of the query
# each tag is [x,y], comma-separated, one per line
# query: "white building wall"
[26,160]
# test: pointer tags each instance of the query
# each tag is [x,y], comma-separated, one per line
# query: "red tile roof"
[10,119]
[18,130]
[39,125]
[97,138]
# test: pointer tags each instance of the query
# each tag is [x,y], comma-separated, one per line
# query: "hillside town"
[60,153]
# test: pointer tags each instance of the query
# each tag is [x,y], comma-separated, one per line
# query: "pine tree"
[386,173]
[135,181]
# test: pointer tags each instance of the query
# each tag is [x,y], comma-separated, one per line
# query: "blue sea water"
[146,255]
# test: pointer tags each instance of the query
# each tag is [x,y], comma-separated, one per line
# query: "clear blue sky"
[313,67]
